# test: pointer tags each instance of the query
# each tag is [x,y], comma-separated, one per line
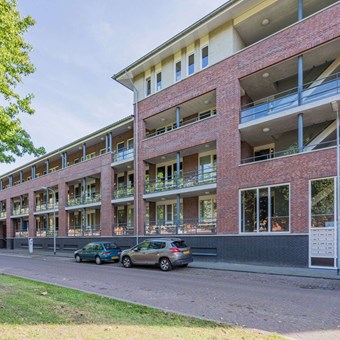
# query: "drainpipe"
[335,107]
[136,141]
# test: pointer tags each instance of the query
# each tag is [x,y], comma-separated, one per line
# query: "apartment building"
[82,191]
[235,133]
[232,146]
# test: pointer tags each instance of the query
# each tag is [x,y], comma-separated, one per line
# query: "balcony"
[20,211]
[289,152]
[188,227]
[312,92]
[123,229]
[124,193]
[3,215]
[46,207]
[87,230]
[173,126]
[191,181]
[123,157]
[85,199]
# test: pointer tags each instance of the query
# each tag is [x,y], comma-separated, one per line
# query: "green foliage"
[14,64]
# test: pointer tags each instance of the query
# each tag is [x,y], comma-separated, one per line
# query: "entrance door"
[322,231]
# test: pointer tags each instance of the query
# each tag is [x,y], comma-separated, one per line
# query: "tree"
[14,64]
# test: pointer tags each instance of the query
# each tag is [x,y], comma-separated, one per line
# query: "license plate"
[186,252]
[115,257]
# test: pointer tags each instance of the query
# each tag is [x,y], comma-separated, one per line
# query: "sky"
[77,46]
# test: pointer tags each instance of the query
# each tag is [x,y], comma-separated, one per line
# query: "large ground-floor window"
[265,209]
[322,203]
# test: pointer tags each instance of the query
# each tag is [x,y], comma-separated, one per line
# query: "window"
[191,64]
[322,203]
[178,70]
[148,86]
[265,209]
[158,81]
[208,210]
[205,56]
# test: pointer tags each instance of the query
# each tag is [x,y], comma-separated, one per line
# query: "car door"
[85,253]
[139,253]
[154,252]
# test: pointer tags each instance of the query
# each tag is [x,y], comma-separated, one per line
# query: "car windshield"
[179,244]
[109,246]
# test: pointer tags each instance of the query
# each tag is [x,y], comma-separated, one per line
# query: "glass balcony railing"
[88,198]
[206,226]
[291,151]
[123,192]
[123,155]
[123,229]
[188,180]
[46,206]
[3,214]
[313,91]
[20,211]
[85,230]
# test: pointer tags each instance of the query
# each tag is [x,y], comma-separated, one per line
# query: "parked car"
[98,252]
[165,252]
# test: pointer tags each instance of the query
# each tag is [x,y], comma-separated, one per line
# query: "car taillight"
[106,253]
[175,250]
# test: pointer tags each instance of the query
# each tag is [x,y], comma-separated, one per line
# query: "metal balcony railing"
[190,179]
[123,192]
[87,198]
[84,230]
[48,206]
[122,155]
[200,117]
[122,229]
[326,87]
[291,151]
[203,226]
[21,211]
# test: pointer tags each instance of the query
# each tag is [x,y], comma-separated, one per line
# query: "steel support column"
[300,132]
[178,117]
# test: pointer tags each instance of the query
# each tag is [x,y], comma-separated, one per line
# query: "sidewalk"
[253,268]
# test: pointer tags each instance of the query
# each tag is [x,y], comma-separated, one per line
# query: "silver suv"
[165,252]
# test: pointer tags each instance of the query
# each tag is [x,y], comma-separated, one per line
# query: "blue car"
[99,252]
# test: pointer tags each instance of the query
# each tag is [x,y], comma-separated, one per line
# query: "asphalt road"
[300,308]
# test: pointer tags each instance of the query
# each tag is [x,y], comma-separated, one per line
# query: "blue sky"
[77,46]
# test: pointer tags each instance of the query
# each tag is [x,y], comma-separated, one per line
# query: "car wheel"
[98,260]
[127,262]
[165,264]
[78,258]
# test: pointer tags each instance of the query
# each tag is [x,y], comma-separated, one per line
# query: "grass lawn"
[33,310]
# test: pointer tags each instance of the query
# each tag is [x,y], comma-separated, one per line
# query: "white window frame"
[148,79]
[156,83]
[191,53]
[257,233]
[201,55]
[175,73]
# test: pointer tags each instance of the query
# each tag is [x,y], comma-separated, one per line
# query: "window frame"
[202,48]
[147,88]
[175,70]
[269,231]
[191,54]
[158,88]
